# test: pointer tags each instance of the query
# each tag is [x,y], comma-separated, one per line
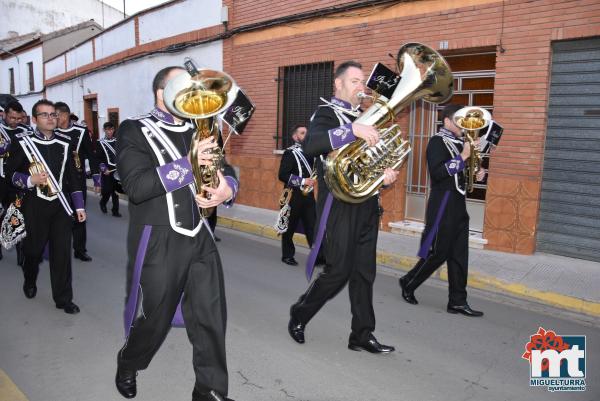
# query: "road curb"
[9,390]
[476,280]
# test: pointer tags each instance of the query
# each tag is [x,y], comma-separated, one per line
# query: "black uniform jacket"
[81,142]
[137,165]
[438,158]
[289,168]
[57,154]
[317,143]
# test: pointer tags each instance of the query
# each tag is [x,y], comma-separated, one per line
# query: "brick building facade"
[534,63]
[519,35]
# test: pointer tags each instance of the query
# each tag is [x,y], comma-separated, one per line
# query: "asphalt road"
[51,356]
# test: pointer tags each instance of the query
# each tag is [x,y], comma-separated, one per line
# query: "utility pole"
[124,15]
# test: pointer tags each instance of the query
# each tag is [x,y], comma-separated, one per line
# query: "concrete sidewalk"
[566,283]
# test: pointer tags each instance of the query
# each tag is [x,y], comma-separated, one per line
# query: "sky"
[133,6]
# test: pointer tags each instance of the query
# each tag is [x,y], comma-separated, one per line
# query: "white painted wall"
[25,16]
[27,101]
[22,71]
[129,86]
[81,55]
[179,18]
[115,40]
[55,67]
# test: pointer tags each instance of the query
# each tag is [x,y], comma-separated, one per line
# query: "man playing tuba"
[446,234]
[185,277]
[350,229]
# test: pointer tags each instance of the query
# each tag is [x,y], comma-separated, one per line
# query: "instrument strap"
[33,150]
[107,146]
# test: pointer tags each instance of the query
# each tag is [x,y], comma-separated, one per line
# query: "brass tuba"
[472,119]
[47,188]
[355,172]
[200,95]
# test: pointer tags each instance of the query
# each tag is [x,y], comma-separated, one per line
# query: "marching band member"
[295,171]
[446,234]
[9,128]
[172,256]
[350,229]
[83,149]
[108,167]
[47,210]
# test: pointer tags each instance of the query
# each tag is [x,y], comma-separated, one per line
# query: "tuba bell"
[472,119]
[355,172]
[200,95]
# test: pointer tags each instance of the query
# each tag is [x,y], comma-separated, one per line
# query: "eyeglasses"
[47,115]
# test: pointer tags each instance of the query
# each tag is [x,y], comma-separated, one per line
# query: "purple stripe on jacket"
[77,199]
[455,165]
[176,174]
[341,136]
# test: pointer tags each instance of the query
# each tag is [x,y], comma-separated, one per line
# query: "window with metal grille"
[11,80]
[31,80]
[299,90]
[472,88]
[474,76]
[113,116]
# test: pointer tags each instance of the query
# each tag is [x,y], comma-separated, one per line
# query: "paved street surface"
[51,356]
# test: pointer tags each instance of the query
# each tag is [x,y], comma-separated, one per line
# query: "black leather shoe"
[116,214]
[464,309]
[372,345]
[103,208]
[69,308]
[409,296]
[295,328]
[289,261]
[83,256]
[217,239]
[29,290]
[126,384]
[212,395]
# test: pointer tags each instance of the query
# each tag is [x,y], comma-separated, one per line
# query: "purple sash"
[424,250]
[132,301]
[312,257]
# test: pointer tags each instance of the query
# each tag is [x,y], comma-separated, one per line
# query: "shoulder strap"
[35,153]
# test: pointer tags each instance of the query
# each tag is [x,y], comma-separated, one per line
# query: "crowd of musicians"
[44,192]
[44,187]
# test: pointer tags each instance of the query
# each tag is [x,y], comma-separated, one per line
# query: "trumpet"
[47,188]
[472,119]
[306,189]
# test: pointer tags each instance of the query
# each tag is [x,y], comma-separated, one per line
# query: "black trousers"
[351,254]
[450,245]
[109,190]
[212,220]
[47,222]
[176,265]
[303,209]
[80,228]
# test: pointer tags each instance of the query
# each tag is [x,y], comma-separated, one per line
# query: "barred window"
[11,79]
[299,90]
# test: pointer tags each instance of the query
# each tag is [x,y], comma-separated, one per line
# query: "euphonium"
[47,188]
[200,95]
[355,172]
[472,119]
